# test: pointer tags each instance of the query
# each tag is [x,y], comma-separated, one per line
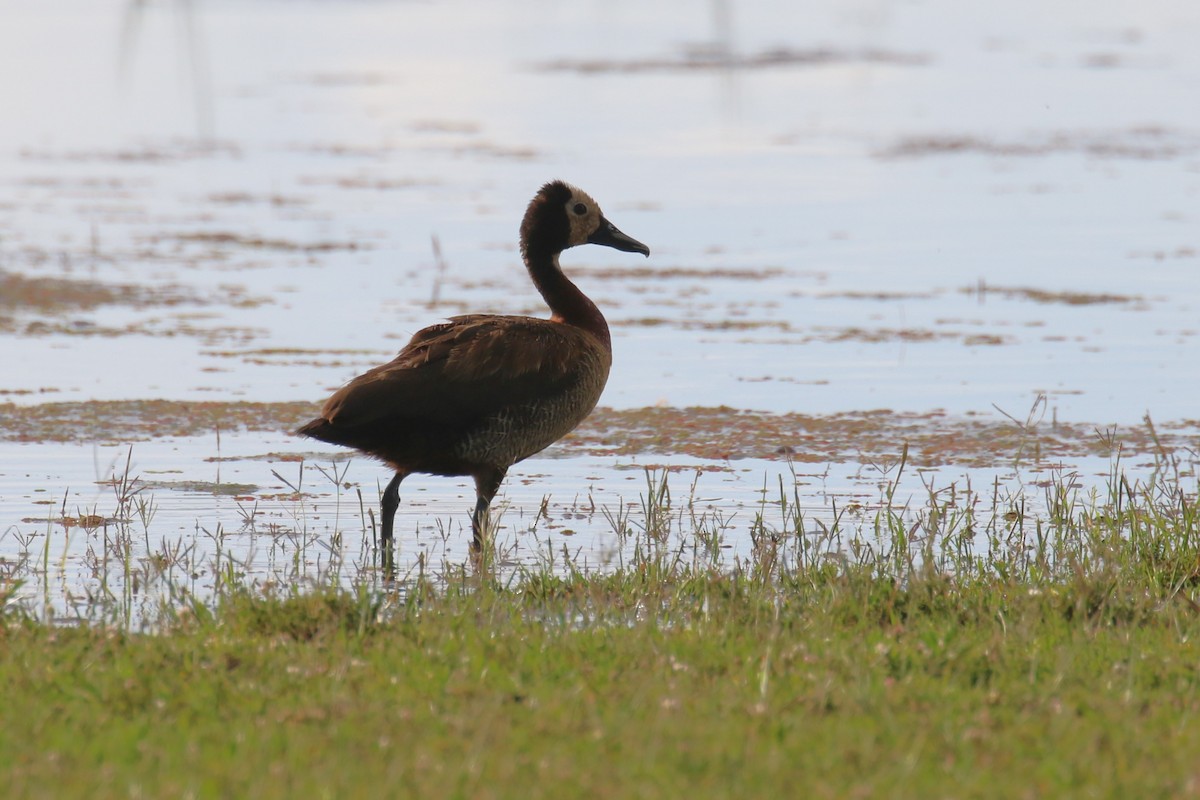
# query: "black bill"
[608,235]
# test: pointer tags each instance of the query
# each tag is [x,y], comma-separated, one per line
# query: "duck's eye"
[580,209]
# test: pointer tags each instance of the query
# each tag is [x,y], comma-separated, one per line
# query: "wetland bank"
[893,488]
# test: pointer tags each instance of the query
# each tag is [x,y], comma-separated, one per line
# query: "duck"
[480,392]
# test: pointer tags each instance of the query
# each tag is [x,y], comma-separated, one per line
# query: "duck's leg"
[387,509]
[487,483]
[388,506]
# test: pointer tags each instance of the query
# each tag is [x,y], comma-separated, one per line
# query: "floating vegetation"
[160,152]
[135,420]
[22,292]
[204,487]
[275,356]
[246,198]
[227,239]
[715,433]
[1070,298]
[33,306]
[931,439]
[366,181]
[669,273]
[704,59]
[1136,143]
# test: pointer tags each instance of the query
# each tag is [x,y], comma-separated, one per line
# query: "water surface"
[921,207]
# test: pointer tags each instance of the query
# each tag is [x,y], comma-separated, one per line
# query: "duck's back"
[477,390]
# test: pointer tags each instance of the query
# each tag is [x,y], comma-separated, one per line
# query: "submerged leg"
[388,506]
[486,485]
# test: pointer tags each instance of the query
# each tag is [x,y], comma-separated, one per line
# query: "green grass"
[930,650]
[605,688]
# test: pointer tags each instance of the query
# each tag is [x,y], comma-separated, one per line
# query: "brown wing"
[464,370]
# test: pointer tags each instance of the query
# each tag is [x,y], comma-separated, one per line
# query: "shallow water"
[202,513]
[915,206]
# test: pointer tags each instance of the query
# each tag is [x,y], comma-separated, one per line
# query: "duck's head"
[562,216]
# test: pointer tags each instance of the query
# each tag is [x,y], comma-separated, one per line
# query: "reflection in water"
[723,50]
[194,53]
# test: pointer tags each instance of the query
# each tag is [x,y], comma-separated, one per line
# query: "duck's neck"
[569,304]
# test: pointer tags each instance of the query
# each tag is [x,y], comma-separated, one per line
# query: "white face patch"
[584,216]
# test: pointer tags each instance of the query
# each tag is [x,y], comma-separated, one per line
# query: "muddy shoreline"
[716,433]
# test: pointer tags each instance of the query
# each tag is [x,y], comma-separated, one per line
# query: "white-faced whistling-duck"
[475,395]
